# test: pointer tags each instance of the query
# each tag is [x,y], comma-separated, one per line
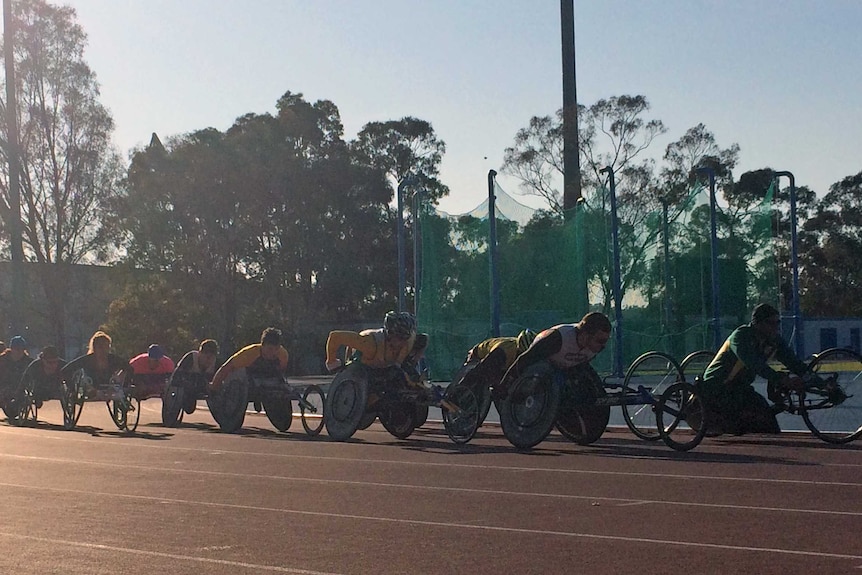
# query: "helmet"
[400,324]
[525,339]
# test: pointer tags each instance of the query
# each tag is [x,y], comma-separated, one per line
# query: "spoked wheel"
[172,405]
[460,413]
[482,392]
[650,374]
[530,409]
[398,418]
[311,409]
[695,364]
[25,404]
[579,418]
[680,417]
[72,400]
[279,412]
[833,411]
[228,404]
[346,402]
[125,413]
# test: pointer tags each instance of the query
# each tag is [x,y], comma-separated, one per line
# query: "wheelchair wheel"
[680,417]
[655,372]
[398,418]
[461,422]
[279,412]
[72,400]
[421,416]
[530,409]
[311,409]
[482,393]
[695,364]
[23,408]
[125,413]
[29,412]
[172,405]
[367,419]
[833,412]
[579,419]
[346,402]
[228,405]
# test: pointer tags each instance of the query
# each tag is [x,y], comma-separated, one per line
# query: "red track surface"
[192,500]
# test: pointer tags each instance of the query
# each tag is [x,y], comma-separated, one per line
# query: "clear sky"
[782,78]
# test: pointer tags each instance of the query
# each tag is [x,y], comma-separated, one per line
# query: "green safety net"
[554,269]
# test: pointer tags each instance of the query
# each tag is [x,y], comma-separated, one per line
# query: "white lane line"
[114,549]
[64,436]
[468,526]
[510,468]
[433,488]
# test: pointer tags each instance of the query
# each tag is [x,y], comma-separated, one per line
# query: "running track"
[192,500]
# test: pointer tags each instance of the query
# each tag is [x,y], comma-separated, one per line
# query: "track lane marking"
[437,488]
[443,524]
[208,560]
[509,468]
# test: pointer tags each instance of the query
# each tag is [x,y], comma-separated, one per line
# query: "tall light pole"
[794,264]
[493,256]
[713,242]
[618,304]
[571,156]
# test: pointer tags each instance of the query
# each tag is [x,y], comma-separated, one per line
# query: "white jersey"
[570,353]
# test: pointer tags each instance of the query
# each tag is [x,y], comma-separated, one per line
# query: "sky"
[781,78]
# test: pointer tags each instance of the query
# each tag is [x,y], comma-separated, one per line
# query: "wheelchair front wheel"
[311,409]
[833,412]
[655,372]
[680,417]
[460,413]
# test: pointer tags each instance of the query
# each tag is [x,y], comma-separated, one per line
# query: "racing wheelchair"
[123,406]
[359,394]
[273,395]
[181,395]
[578,403]
[830,402]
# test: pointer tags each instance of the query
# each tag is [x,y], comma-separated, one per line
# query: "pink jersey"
[142,366]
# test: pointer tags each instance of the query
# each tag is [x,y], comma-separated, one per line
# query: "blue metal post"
[417,256]
[794,264]
[665,230]
[492,256]
[713,240]
[617,282]
[399,217]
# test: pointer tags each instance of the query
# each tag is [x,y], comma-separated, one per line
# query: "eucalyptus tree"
[70,173]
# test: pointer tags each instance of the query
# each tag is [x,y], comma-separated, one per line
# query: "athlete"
[396,346]
[100,365]
[726,386]
[13,362]
[194,372]
[152,371]
[267,359]
[568,347]
[43,376]
[492,358]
